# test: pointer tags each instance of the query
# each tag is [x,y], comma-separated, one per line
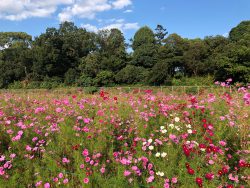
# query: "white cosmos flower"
[164,131]
[162,127]
[160,173]
[190,131]
[151,147]
[203,149]
[171,125]
[144,143]
[177,128]
[150,140]
[188,126]
[157,154]
[176,119]
[164,154]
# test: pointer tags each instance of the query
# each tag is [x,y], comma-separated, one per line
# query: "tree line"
[73,56]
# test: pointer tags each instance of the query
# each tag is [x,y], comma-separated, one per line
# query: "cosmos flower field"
[116,139]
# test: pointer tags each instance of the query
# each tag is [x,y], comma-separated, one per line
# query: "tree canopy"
[73,56]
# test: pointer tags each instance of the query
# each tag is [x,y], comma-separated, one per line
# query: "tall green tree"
[241,31]
[15,59]
[144,46]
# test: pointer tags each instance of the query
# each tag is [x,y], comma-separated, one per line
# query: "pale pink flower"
[102,170]
[126,173]
[46,185]
[38,183]
[150,179]
[65,181]
[82,166]
[174,180]
[60,175]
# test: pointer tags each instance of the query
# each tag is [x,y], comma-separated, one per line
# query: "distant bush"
[192,90]
[193,81]
[104,78]
[15,85]
[91,90]
[132,74]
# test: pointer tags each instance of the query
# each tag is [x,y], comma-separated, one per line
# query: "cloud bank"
[66,10]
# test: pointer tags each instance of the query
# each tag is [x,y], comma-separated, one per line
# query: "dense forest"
[72,56]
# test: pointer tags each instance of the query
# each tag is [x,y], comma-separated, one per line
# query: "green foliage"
[91,90]
[104,78]
[144,46]
[241,31]
[75,56]
[131,75]
[84,81]
[159,74]
[70,76]
[193,81]
[13,39]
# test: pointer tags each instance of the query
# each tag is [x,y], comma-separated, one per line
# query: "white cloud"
[118,24]
[23,9]
[119,4]
[131,26]
[84,9]
[90,27]
[89,8]
[128,11]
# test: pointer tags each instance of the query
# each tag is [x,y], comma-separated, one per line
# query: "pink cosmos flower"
[59,110]
[86,120]
[12,156]
[82,166]
[65,181]
[236,179]
[2,172]
[2,158]
[150,179]
[217,83]
[28,148]
[134,168]
[38,183]
[222,118]
[222,143]
[223,84]
[86,180]
[85,152]
[46,185]
[126,173]
[174,180]
[87,159]
[65,160]
[210,162]
[60,175]
[150,166]
[102,170]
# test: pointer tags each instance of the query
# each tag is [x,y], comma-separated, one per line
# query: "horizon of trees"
[75,57]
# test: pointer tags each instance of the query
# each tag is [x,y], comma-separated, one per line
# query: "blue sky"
[189,18]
